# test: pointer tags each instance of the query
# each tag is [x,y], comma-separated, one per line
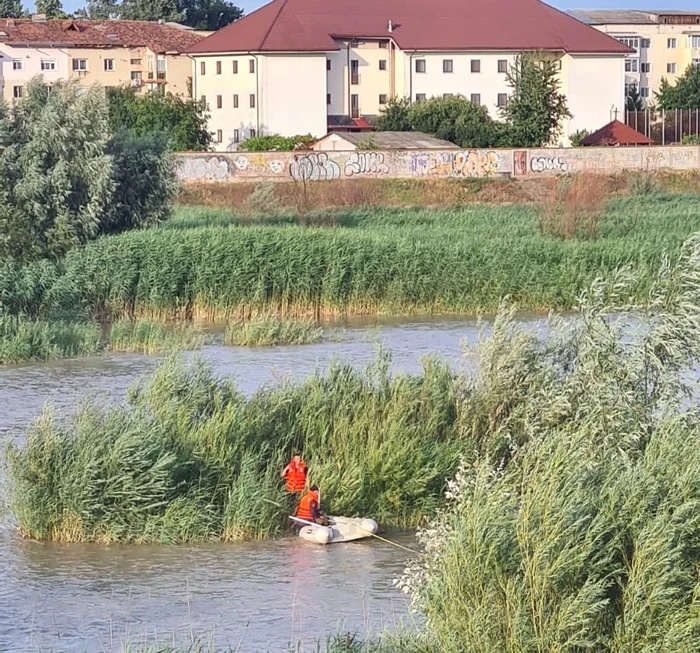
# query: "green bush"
[276,143]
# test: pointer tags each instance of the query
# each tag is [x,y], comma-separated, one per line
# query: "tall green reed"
[265,331]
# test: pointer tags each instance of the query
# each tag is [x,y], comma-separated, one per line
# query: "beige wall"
[30,67]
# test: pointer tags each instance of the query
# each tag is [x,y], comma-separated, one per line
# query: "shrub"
[277,143]
[578,136]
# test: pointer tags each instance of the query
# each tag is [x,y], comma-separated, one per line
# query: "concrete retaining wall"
[317,166]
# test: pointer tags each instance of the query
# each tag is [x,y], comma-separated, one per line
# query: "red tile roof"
[616,133]
[443,25]
[97,33]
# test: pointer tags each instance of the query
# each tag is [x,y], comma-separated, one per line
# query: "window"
[420,97]
[252,133]
[251,65]
[135,62]
[109,64]
[476,99]
[646,67]
[160,66]
[447,65]
[695,41]
[219,102]
[48,64]
[383,44]
[671,44]
[219,136]
[502,65]
[18,91]
[235,68]
[202,67]
[17,64]
[382,99]
[252,100]
[476,65]
[631,65]
[135,77]
[354,71]
[644,91]
[420,65]
[502,99]
[354,106]
[203,99]
[236,136]
[328,98]
[79,64]
[629,41]
[629,88]
[646,43]
[382,64]
[328,64]
[235,101]
[671,68]
[218,70]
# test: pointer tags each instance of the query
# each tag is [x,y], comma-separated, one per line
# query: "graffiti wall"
[322,166]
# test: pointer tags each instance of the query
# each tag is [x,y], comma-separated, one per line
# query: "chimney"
[38,18]
[390,27]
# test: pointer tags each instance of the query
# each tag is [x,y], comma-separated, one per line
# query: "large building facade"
[307,66]
[665,43]
[145,55]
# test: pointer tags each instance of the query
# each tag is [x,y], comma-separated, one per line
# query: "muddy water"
[254,596]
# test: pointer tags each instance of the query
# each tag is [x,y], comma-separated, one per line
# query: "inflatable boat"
[340,529]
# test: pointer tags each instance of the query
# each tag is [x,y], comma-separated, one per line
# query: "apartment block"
[146,55]
[665,43]
[318,65]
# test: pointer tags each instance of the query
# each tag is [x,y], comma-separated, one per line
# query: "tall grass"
[386,261]
[191,459]
[25,340]
[148,337]
[265,331]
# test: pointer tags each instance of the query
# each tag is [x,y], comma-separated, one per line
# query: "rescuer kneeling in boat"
[309,508]
[295,475]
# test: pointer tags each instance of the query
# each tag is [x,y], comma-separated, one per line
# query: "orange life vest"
[304,509]
[295,474]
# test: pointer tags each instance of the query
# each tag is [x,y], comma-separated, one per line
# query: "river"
[250,597]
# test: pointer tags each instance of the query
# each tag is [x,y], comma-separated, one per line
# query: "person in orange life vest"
[295,475]
[309,508]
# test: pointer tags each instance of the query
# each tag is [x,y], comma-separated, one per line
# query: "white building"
[304,66]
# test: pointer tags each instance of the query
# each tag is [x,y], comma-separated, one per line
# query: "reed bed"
[376,261]
[148,337]
[266,331]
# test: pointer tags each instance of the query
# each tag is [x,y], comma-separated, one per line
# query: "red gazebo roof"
[616,133]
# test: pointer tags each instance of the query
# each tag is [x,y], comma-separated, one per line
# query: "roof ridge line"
[272,24]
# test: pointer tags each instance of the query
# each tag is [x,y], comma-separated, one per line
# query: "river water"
[251,597]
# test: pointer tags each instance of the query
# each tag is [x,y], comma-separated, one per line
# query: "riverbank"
[209,264]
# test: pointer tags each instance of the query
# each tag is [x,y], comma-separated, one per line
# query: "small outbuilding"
[349,141]
[616,133]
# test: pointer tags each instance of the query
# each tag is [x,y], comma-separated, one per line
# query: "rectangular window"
[476,65]
[646,43]
[644,91]
[17,64]
[383,44]
[235,69]
[48,64]
[671,68]
[695,41]
[354,106]
[202,67]
[328,64]
[420,65]
[252,100]
[251,65]
[160,67]
[629,41]
[18,91]
[109,64]
[631,65]
[79,64]
[135,77]
[502,99]
[135,62]
[218,70]
[420,97]
[447,65]
[354,71]
[646,67]
[236,136]
[503,65]
[671,44]
[476,99]
[219,102]
[382,99]
[235,101]
[382,64]
[204,99]
[252,133]
[219,136]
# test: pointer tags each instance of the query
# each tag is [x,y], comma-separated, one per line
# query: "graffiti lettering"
[548,164]
[313,167]
[210,168]
[655,157]
[474,163]
[366,163]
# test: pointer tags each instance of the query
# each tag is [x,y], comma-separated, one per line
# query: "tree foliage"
[11,8]
[684,94]
[52,8]
[573,522]
[199,14]
[277,143]
[64,181]
[536,108]
[633,101]
[183,122]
